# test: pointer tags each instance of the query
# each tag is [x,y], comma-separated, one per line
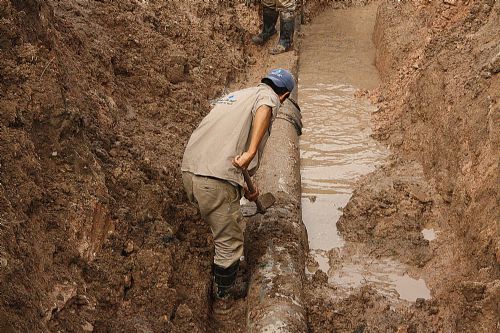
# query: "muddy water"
[336,64]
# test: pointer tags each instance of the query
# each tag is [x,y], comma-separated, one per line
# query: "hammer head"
[266,201]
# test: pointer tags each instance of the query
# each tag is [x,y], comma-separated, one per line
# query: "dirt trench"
[97,100]
[434,205]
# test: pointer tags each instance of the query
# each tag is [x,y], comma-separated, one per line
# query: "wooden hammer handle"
[251,188]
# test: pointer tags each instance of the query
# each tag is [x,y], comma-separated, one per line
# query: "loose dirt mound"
[389,209]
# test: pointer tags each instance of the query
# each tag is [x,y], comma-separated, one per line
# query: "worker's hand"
[242,161]
[249,3]
[251,196]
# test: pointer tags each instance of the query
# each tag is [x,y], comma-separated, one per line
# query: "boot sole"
[264,41]
[276,52]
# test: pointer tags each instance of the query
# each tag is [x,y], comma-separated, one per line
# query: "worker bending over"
[230,138]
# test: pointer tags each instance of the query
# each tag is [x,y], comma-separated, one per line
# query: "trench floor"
[336,70]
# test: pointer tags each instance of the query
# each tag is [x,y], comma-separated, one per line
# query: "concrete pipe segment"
[277,242]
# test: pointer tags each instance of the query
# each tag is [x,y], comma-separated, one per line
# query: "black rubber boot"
[269,19]
[287,28]
[225,278]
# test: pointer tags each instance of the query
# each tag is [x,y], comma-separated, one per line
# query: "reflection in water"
[348,269]
[320,218]
[386,275]
[336,148]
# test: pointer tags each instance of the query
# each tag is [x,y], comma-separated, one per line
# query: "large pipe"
[277,242]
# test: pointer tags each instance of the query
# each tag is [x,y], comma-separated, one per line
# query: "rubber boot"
[287,28]
[269,19]
[224,281]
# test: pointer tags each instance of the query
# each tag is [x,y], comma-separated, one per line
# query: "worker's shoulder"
[247,91]
[247,95]
[260,89]
[266,92]
[238,94]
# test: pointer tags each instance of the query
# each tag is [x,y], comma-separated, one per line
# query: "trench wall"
[440,105]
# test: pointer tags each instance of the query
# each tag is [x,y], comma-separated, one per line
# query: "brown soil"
[98,98]
[389,209]
[97,101]
[439,108]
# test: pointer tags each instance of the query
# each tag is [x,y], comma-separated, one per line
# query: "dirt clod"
[128,247]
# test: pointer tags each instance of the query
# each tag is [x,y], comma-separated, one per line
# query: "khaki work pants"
[281,5]
[219,204]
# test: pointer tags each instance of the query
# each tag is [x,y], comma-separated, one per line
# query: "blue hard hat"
[282,78]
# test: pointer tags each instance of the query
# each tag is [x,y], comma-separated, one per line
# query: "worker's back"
[224,134]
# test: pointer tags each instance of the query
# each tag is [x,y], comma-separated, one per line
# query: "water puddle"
[429,234]
[336,62]
[349,268]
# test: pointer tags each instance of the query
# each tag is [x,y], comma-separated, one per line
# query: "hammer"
[260,208]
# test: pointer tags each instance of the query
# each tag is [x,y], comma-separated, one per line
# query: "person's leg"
[225,278]
[269,19]
[287,25]
[219,204]
[286,5]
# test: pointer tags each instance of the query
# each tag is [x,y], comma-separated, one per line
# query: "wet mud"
[336,69]
[377,233]
[337,61]
[439,92]
[97,101]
